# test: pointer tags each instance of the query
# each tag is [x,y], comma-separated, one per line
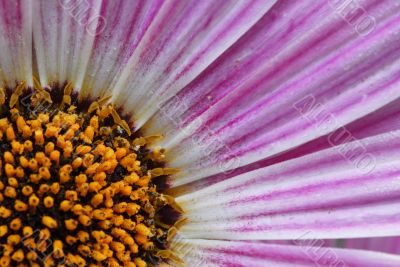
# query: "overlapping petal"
[385,119]
[141,51]
[347,191]
[310,253]
[298,74]
[183,40]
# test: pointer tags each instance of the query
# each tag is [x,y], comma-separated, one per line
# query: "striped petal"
[309,253]
[182,41]
[301,72]
[347,191]
[386,119]
[15,42]
[141,51]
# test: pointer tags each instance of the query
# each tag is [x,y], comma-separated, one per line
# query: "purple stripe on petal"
[324,193]
[258,118]
[255,254]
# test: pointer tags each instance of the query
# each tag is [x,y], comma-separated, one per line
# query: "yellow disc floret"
[77,186]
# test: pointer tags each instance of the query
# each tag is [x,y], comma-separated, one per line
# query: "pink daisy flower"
[200,133]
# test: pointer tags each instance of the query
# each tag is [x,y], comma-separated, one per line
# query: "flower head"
[141,133]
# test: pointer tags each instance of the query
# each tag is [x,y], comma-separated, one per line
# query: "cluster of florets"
[76,188]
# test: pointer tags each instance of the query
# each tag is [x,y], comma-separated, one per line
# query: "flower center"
[77,187]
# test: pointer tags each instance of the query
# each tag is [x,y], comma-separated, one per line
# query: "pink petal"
[183,40]
[142,51]
[351,190]
[386,119]
[245,107]
[15,42]
[307,253]
[382,244]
